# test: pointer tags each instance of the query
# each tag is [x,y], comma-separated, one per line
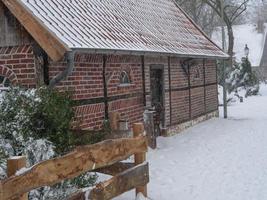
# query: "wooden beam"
[123,182]
[170,89]
[13,165]
[105,86]
[83,159]
[51,44]
[205,87]
[189,90]
[138,130]
[116,168]
[143,79]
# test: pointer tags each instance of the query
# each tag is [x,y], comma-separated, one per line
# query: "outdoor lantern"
[246,50]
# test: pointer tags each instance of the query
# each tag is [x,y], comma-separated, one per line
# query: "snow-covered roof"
[124,25]
[245,34]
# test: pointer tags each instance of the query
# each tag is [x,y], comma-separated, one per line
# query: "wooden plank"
[52,45]
[138,130]
[150,129]
[83,159]
[123,182]
[114,118]
[13,165]
[116,168]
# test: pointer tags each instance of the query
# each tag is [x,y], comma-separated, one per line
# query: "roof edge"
[51,44]
[137,52]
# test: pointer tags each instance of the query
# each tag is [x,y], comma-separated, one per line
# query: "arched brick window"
[4,83]
[7,78]
[125,78]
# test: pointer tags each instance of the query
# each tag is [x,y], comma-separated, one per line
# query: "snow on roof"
[245,34]
[128,25]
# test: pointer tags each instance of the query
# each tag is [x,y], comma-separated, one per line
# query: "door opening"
[157,94]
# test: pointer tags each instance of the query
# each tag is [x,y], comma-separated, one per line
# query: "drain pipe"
[64,74]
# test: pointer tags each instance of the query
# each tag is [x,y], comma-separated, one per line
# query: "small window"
[4,83]
[197,73]
[124,78]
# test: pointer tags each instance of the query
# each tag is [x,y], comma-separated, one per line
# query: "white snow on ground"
[245,34]
[216,160]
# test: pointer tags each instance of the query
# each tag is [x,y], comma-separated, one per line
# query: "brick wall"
[203,92]
[86,83]
[125,99]
[17,63]
[211,89]
[179,93]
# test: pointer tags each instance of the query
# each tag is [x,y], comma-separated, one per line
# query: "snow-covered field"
[221,159]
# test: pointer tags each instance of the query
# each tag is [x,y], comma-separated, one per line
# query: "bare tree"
[232,12]
[201,13]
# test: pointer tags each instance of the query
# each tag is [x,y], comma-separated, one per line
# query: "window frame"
[122,79]
[5,80]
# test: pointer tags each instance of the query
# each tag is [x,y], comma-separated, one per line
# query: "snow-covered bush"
[243,77]
[37,123]
[241,81]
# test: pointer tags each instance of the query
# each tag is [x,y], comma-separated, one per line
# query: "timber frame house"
[115,56]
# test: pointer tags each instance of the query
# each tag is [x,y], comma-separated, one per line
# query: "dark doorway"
[157,92]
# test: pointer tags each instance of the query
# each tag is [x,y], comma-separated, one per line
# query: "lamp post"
[246,51]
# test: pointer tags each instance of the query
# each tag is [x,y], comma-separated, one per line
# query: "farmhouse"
[120,56]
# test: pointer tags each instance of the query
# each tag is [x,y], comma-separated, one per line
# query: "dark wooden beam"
[189,90]
[205,90]
[170,90]
[105,87]
[143,78]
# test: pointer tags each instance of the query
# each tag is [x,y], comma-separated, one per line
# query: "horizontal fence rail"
[103,157]
[123,182]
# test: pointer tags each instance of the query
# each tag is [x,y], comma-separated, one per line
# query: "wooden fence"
[102,157]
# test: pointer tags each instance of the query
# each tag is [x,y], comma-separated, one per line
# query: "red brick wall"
[86,80]
[90,116]
[179,93]
[198,93]
[203,92]
[212,89]
[86,83]
[125,99]
[17,63]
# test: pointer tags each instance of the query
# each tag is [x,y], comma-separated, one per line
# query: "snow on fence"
[102,157]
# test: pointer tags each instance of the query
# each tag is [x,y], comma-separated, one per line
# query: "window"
[4,83]
[124,78]
[196,73]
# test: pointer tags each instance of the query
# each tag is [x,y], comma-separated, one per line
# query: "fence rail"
[103,157]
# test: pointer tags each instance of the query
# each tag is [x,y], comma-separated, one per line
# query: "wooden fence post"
[150,128]
[138,130]
[13,165]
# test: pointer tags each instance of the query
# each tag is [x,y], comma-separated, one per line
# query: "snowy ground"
[215,160]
